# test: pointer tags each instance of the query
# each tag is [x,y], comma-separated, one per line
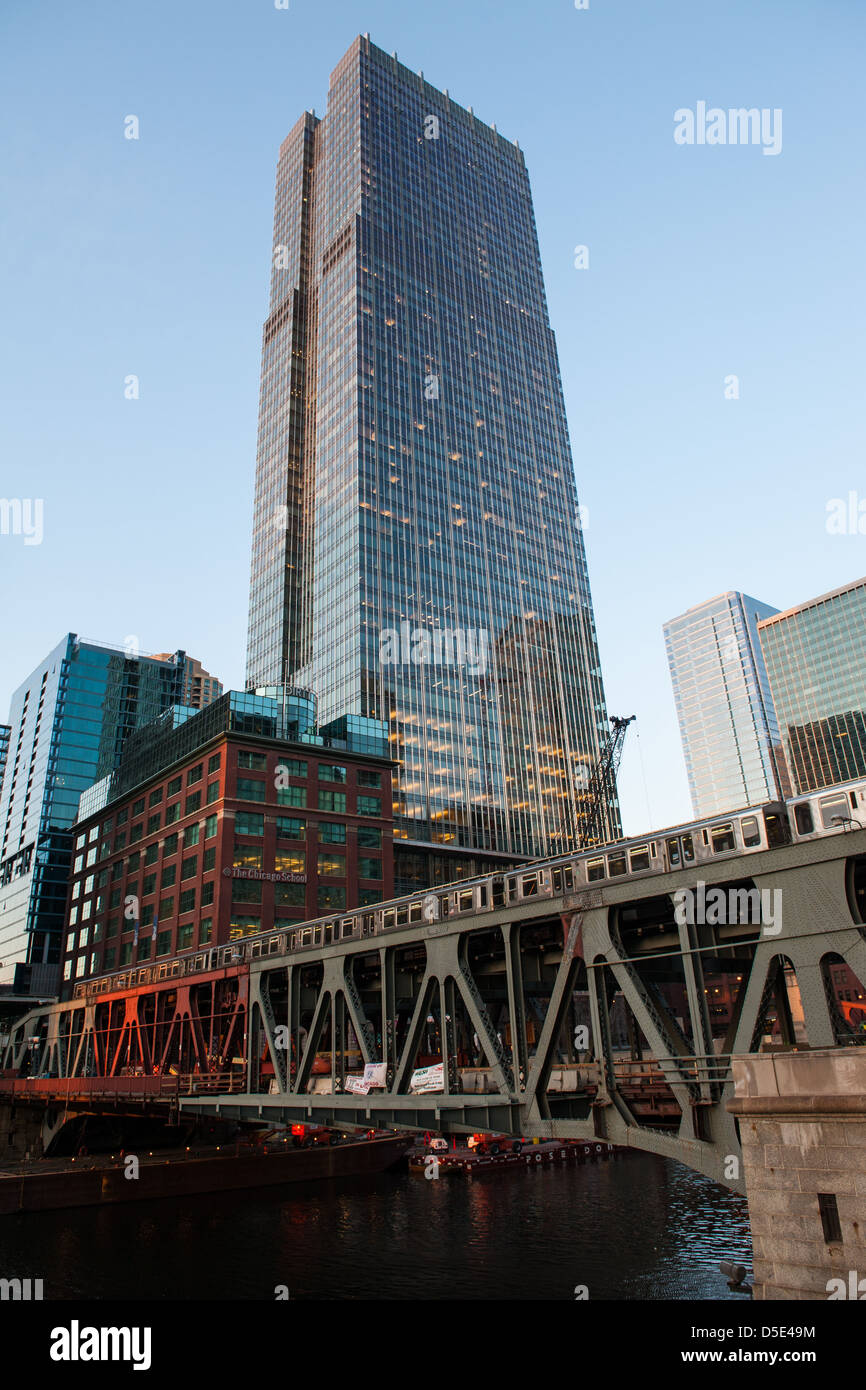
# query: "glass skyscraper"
[417,552]
[727,722]
[68,722]
[816,660]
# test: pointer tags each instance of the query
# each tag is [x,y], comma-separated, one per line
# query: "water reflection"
[640,1228]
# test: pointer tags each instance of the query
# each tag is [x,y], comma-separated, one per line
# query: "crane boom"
[602,783]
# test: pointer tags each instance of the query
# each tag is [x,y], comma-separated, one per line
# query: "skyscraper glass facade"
[5,732]
[816,660]
[68,725]
[417,552]
[725,710]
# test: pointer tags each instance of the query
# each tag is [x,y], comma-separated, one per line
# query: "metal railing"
[118,1088]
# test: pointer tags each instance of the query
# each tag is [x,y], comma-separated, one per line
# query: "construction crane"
[602,783]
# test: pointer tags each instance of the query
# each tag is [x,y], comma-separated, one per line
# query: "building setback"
[69,722]
[199,688]
[215,828]
[414,470]
[816,661]
[724,707]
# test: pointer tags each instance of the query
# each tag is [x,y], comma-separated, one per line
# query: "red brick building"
[235,835]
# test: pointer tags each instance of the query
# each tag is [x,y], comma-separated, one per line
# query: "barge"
[82,1184]
[546,1153]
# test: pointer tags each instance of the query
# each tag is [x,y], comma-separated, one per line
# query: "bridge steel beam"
[815,920]
[812,919]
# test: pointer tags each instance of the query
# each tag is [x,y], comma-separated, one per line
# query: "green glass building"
[816,661]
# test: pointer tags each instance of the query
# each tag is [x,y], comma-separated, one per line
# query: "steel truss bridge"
[588,1014]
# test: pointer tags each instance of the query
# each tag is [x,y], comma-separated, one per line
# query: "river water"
[636,1228]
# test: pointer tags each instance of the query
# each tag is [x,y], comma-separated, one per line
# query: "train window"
[616,865]
[306,936]
[834,809]
[803,818]
[529,885]
[416,912]
[402,916]
[777,828]
[498,892]
[482,896]
[594,870]
[639,858]
[389,917]
[723,838]
[688,849]
[751,832]
[464,901]
[369,923]
[674,853]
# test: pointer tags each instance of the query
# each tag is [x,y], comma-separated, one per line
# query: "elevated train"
[753,830]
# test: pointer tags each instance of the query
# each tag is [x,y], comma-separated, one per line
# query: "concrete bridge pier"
[20,1132]
[802,1121]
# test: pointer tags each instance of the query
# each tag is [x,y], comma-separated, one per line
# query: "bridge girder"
[530,969]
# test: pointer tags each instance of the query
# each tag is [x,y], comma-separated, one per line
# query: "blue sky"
[150,257]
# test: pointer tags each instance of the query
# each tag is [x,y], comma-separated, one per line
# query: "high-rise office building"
[816,661]
[199,687]
[69,722]
[727,721]
[417,553]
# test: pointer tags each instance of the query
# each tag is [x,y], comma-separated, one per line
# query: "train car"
[752,830]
